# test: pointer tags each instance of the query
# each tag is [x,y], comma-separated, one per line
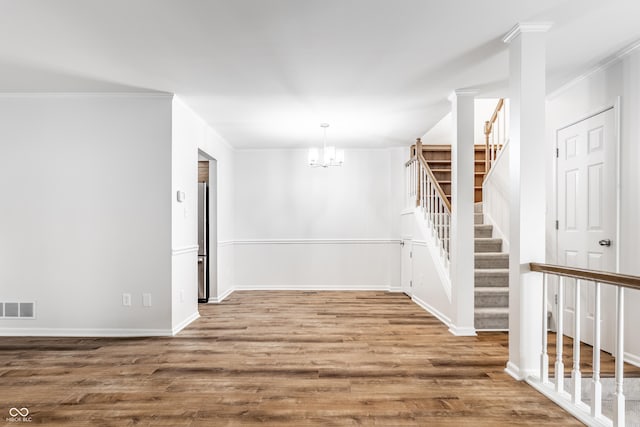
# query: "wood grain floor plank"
[278,358]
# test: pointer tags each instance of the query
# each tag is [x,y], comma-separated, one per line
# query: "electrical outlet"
[126,300]
[146,300]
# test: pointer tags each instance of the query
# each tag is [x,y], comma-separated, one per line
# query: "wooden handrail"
[441,193]
[488,128]
[627,281]
[420,158]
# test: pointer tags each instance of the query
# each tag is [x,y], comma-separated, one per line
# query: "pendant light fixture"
[327,156]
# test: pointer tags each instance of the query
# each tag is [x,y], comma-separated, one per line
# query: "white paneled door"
[587,215]
[406,267]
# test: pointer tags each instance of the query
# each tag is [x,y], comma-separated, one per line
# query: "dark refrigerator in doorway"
[203,242]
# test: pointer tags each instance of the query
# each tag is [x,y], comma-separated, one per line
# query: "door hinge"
[411,254]
[555,298]
[411,283]
[557,225]
[557,153]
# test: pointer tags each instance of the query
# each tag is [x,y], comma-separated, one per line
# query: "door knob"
[605,242]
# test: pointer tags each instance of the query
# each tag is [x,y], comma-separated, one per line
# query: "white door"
[406,267]
[587,217]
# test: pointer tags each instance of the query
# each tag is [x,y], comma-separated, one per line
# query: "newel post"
[527,68]
[462,212]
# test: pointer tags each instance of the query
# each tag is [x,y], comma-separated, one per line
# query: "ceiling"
[266,73]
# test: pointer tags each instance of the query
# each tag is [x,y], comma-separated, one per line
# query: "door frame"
[212,235]
[615,106]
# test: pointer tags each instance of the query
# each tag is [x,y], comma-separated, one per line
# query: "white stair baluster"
[429,204]
[559,366]
[421,186]
[596,386]
[544,357]
[448,234]
[439,221]
[576,376]
[413,179]
[619,409]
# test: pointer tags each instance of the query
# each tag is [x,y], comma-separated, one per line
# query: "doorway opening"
[207,228]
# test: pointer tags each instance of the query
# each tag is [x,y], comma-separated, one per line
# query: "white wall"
[186,131]
[440,134]
[601,89]
[431,283]
[191,134]
[305,228]
[85,183]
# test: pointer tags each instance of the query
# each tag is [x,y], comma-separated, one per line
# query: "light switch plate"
[146,300]
[126,300]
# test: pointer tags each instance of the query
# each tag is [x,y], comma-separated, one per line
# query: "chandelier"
[327,156]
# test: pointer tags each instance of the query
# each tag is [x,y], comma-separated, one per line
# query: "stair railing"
[424,188]
[496,134]
[590,414]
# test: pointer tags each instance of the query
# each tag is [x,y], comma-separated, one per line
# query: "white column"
[462,197]
[527,194]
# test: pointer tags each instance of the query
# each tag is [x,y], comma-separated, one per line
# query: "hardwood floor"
[277,358]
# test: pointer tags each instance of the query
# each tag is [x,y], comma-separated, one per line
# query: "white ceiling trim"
[526,27]
[86,95]
[602,65]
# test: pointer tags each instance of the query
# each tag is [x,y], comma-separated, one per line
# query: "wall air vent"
[17,310]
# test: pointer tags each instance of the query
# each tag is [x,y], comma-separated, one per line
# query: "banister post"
[527,70]
[487,151]
[418,154]
[462,212]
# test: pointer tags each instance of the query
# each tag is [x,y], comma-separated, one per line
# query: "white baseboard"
[219,299]
[83,332]
[513,370]
[185,323]
[394,289]
[632,359]
[312,288]
[462,332]
[444,319]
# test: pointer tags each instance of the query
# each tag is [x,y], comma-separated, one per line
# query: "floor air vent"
[17,310]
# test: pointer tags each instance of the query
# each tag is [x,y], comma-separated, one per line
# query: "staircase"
[491,264]
[491,277]
[438,158]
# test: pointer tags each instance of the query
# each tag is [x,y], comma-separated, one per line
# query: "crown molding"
[86,95]
[600,66]
[526,27]
[462,92]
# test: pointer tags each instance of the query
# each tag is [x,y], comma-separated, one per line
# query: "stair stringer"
[432,284]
